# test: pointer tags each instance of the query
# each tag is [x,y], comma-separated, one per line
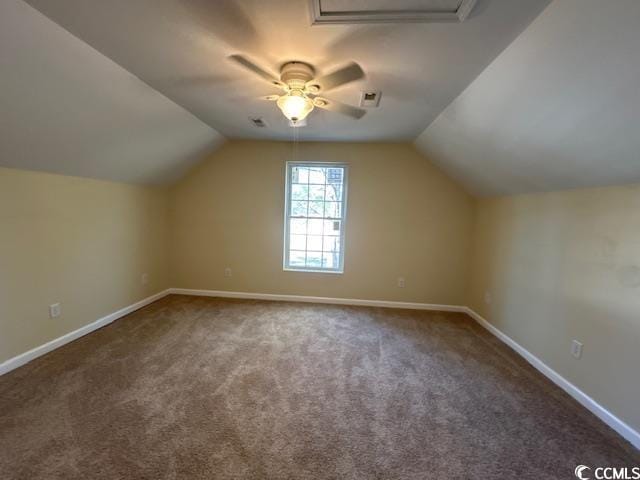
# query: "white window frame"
[287,216]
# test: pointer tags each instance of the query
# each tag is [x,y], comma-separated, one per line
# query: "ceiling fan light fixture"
[295,105]
[301,88]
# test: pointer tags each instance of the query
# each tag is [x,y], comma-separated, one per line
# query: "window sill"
[306,270]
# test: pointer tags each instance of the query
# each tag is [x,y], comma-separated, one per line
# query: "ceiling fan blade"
[261,72]
[350,73]
[339,107]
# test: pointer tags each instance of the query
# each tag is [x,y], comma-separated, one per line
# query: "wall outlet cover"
[54,310]
[576,349]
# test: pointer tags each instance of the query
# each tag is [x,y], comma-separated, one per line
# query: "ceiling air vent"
[385,11]
[258,122]
[370,99]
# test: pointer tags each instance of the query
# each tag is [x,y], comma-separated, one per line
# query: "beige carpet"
[198,388]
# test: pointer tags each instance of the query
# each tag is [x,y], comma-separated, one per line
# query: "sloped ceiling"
[180,48]
[558,109]
[66,108]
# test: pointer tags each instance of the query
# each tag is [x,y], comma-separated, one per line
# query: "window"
[316,200]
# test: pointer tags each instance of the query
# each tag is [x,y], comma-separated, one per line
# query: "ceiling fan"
[302,90]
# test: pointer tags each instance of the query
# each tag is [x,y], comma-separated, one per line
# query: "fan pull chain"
[295,141]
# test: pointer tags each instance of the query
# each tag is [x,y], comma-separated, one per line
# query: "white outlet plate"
[576,349]
[487,298]
[401,282]
[227,272]
[144,279]
[54,310]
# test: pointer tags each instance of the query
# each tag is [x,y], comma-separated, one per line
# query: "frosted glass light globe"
[295,105]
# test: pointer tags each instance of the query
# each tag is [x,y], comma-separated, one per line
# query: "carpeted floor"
[201,388]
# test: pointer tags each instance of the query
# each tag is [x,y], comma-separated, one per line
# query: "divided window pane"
[333,193]
[298,242]
[316,209]
[297,259]
[332,209]
[330,244]
[298,226]
[314,233]
[299,208]
[299,192]
[316,192]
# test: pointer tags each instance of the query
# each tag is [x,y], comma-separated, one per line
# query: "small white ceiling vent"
[370,98]
[385,11]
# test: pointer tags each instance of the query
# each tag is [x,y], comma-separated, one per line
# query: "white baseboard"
[605,415]
[34,353]
[585,400]
[329,300]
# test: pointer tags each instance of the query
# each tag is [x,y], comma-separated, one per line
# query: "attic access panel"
[385,11]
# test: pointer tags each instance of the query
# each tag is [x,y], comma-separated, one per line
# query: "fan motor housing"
[296,74]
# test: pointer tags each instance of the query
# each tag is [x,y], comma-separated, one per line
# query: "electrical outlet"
[227,272]
[144,279]
[400,282]
[487,298]
[54,310]
[576,349]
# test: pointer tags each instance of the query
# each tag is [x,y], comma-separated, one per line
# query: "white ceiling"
[66,108]
[559,108]
[179,47]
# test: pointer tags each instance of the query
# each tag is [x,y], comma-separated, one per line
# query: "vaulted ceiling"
[65,108]
[180,48]
[557,109]
[139,91]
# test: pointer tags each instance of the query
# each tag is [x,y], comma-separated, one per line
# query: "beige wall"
[558,266]
[83,243]
[564,266]
[405,218]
